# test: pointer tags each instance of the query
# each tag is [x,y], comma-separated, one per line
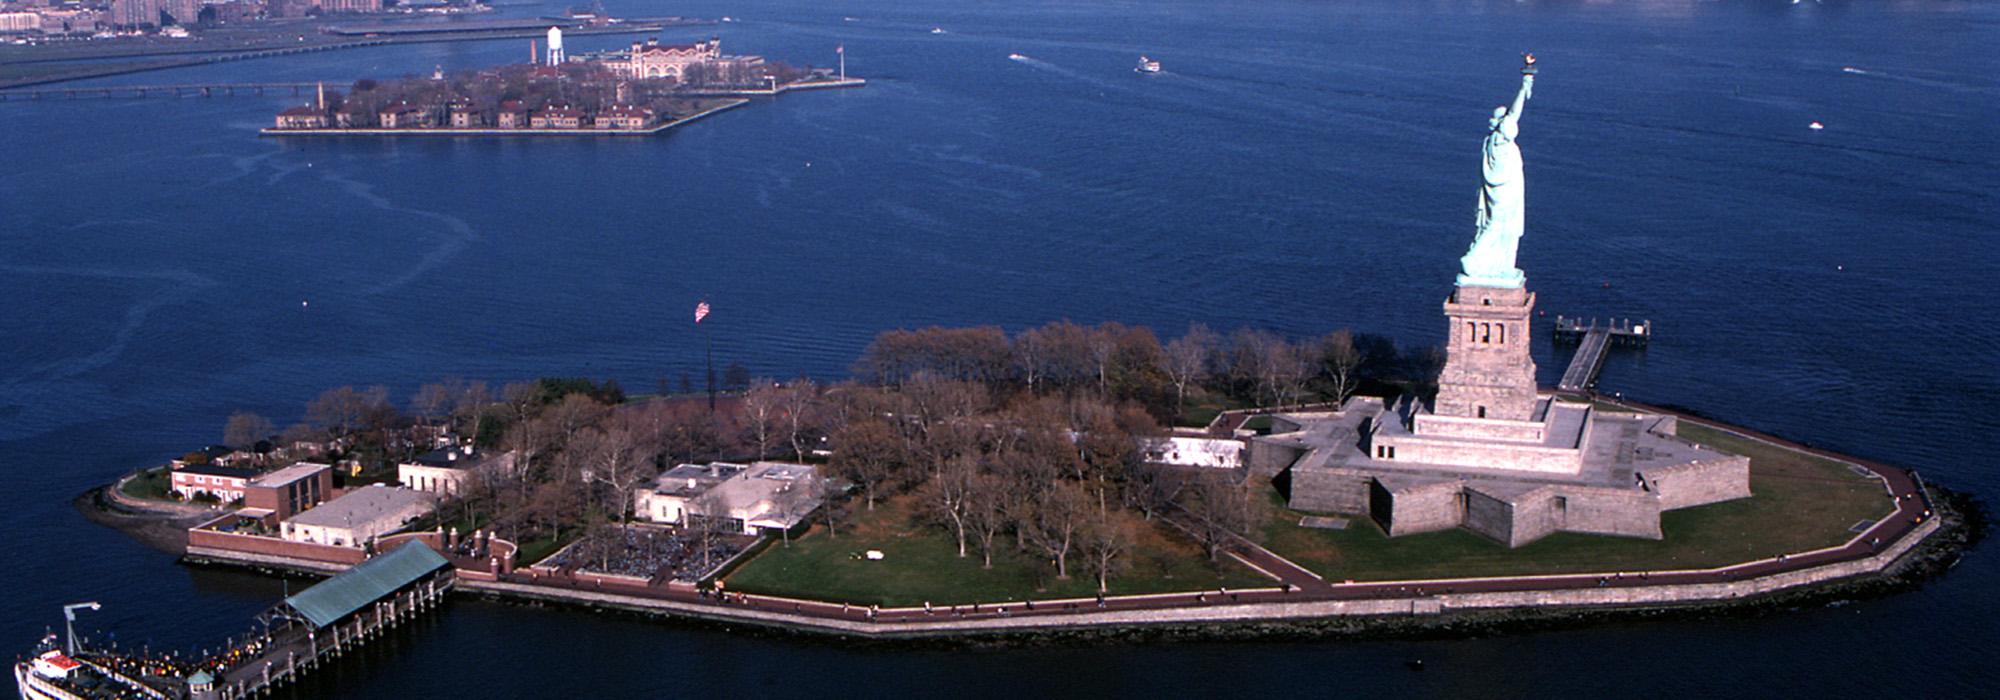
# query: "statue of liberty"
[1502,209]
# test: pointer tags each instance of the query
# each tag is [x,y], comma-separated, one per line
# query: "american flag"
[700,311]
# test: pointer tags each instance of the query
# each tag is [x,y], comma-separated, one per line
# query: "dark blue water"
[1300,166]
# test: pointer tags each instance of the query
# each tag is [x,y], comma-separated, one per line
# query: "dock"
[1593,342]
[333,617]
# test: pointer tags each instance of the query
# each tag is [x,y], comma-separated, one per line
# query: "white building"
[363,514]
[742,499]
[1179,451]
[450,471]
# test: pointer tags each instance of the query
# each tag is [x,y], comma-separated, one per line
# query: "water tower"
[555,46]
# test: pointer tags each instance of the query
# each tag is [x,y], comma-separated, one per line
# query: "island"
[646,89]
[1063,481]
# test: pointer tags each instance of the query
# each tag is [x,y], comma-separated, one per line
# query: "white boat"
[1147,65]
[938,30]
[1016,57]
[1816,126]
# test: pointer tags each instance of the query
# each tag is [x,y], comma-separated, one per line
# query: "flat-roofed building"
[736,498]
[288,491]
[361,515]
[450,471]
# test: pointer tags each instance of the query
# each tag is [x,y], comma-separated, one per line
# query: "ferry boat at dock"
[1147,65]
[55,673]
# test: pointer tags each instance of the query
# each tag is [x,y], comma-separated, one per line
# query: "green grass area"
[153,483]
[1800,502]
[1261,424]
[1203,406]
[537,549]
[921,564]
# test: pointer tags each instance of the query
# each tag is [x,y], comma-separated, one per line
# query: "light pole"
[69,623]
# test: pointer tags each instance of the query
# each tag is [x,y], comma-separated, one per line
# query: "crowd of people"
[646,552]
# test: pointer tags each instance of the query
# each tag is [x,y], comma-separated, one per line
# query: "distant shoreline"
[393,133]
[739,99]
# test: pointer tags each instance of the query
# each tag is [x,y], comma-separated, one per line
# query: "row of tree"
[1120,363]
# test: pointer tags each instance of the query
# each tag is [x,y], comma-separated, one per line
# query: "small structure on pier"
[365,584]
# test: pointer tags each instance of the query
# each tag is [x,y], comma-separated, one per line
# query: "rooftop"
[363,505]
[290,474]
[358,587]
[213,470]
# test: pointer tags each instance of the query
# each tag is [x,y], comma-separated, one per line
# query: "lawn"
[1202,406]
[152,483]
[1800,502]
[921,564]
[537,549]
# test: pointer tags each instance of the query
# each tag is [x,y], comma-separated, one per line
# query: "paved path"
[1589,358]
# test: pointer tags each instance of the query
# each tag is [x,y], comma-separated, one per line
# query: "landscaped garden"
[920,564]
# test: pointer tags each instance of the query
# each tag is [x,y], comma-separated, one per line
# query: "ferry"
[1147,65]
[61,670]
[58,675]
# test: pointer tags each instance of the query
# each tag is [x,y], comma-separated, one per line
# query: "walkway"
[1587,361]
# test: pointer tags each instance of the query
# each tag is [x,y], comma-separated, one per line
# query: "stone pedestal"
[1487,370]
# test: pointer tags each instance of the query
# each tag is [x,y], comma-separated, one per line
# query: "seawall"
[1926,551]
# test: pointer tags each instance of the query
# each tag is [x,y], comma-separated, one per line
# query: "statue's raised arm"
[1512,122]
[1502,205]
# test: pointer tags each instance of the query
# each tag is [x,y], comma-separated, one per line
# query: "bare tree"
[618,457]
[946,496]
[1340,359]
[761,407]
[431,402]
[869,453]
[1105,540]
[469,407]
[801,398]
[342,410]
[245,429]
[986,513]
[1188,360]
[1219,511]
[1058,517]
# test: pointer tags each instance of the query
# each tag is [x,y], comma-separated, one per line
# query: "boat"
[938,30]
[1147,65]
[65,670]
[1016,57]
[1816,126]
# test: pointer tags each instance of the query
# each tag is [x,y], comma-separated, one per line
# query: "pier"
[1593,342]
[182,90]
[331,618]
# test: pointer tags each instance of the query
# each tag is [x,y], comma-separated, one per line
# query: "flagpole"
[842,50]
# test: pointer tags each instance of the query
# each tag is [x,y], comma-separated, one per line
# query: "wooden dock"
[1593,342]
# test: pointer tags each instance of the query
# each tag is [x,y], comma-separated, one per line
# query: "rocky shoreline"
[162,529]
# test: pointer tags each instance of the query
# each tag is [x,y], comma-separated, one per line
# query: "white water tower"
[555,46]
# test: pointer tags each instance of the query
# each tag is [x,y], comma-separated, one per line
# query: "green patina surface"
[1801,502]
[921,564]
[330,600]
